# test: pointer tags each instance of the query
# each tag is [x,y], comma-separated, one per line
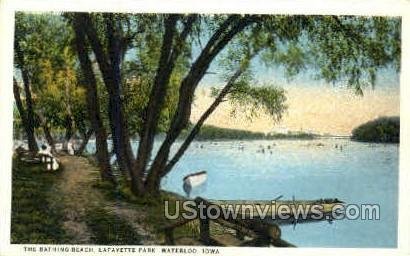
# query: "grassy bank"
[33,219]
[152,209]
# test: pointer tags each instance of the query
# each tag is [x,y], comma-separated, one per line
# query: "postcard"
[168,128]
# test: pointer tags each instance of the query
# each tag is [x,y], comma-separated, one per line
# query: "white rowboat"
[194,180]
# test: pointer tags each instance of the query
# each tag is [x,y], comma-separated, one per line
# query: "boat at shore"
[194,180]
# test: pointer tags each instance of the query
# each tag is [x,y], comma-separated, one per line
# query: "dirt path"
[78,195]
[124,211]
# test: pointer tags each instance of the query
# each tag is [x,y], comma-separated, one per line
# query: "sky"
[313,105]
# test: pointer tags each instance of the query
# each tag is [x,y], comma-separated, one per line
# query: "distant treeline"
[383,130]
[209,132]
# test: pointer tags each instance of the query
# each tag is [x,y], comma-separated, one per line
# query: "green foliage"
[347,50]
[33,220]
[61,96]
[137,89]
[45,41]
[141,51]
[40,37]
[254,100]
[383,129]
[294,135]
[350,49]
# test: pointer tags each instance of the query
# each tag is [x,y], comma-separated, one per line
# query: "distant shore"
[209,132]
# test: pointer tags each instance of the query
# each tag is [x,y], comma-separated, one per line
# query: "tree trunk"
[156,101]
[20,108]
[47,133]
[171,49]
[153,184]
[70,121]
[119,128]
[110,69]
[49,137]
[195,130]
[93,107]
[68,133]
[120,137]
[86,138]
[30,123]
[232,26]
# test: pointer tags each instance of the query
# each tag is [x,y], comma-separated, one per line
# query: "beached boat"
[194,180]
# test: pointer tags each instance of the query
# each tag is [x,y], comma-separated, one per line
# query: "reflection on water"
[328,168]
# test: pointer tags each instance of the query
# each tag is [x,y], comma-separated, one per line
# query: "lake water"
[359,173]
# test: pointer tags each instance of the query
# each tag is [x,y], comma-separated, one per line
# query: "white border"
[367,7]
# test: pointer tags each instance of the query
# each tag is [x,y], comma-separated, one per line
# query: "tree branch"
[157,96]
[170,52]
[219,99]
[217,42]
[232,26]
[102,58]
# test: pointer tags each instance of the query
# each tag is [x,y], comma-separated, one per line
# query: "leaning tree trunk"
[68,133]
[118,122]
[226,32]
[109,62]
[93,106]
[20,108]
[196,129]
[47,132]
[158,93]
[70,121]
[30,123]
[153,185]
[49,137]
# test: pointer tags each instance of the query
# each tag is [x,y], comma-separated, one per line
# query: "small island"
[380,130]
